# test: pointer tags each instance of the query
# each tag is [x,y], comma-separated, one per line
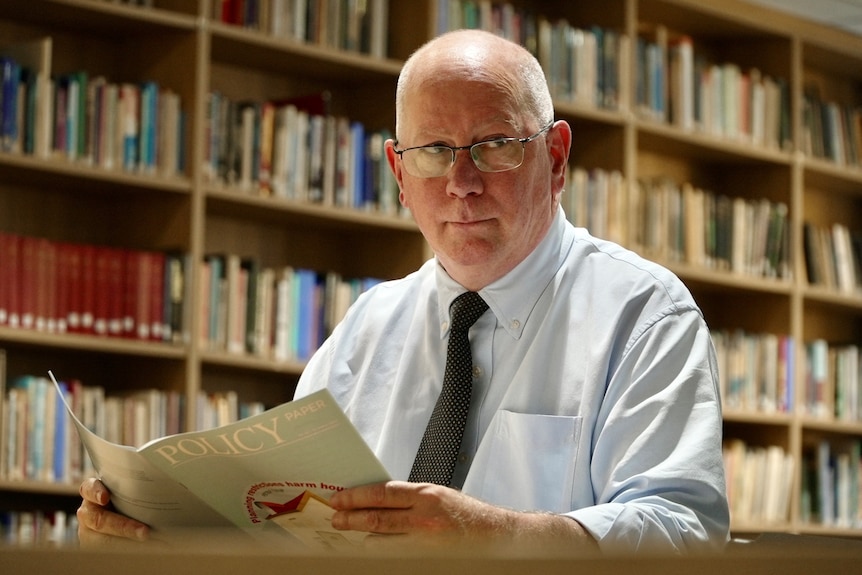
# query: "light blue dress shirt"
[595,390]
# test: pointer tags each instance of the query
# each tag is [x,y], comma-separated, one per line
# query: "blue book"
[60,425]
[370,187]
[10,76]
[148,126]
[442,16]
[357,134]
[306,312]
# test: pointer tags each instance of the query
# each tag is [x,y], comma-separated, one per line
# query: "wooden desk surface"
[779,559]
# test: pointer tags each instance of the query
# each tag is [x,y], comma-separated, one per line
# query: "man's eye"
[494,144]
[435,150]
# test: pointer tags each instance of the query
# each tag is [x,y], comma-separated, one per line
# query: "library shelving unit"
[201,208]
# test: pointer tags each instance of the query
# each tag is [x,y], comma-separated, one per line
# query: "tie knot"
[466,309]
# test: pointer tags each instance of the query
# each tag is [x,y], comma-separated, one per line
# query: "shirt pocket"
[531,461]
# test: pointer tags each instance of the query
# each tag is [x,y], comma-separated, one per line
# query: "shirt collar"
[513,297]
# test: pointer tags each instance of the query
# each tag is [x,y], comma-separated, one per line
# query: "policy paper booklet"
[266,474]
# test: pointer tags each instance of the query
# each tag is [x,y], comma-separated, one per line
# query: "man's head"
[463,88]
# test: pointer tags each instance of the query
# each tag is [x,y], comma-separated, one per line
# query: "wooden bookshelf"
[180,45]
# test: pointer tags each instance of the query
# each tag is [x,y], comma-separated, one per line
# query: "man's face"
[480,225]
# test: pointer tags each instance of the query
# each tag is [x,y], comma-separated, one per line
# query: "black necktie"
[435,460]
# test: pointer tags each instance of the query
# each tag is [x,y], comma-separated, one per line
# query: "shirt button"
[463,458]
[444,326]
[477,371]
[515,324]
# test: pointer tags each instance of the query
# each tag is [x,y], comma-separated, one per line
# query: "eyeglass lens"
[492,156]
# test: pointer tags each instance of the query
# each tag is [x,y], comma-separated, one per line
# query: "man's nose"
[464,178]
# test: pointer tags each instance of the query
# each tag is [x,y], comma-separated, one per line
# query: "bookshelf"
[655,152]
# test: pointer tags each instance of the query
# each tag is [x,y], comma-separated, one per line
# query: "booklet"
[265,475]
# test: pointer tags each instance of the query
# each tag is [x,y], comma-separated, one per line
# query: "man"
[594,418]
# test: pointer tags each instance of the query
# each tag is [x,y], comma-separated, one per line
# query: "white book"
[283,311]
[379,29]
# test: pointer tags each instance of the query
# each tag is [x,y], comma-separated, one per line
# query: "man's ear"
[395,166]
[559,146]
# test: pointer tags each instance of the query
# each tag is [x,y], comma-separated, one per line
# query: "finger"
[378,521]
[100,519]
[387,495]
[94,490]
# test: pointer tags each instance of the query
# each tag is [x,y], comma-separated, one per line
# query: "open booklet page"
[265,474]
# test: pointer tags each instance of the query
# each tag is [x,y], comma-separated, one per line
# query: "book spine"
[10,76]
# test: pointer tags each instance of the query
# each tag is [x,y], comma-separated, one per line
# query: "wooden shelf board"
[91,343]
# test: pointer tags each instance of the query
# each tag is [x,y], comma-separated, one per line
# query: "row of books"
[40,442]
[756,371]
[598,200]
[831,492]
[26,103]
[832,131]
[676,222]
[354,25]
[38,528]
[759,482]
[279,313]
[296,149]
[757,374]
[673,222]
[833,257]
[502,18]
[833,380]
[677,83]
[65,287]
[586,66]
[214,410]
[124,126]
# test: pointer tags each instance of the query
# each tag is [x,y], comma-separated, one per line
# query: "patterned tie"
[435,460]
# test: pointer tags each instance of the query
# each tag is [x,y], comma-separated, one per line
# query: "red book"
[71,286]
[62,289]
[46,279]
[6,278]
[102,287]
[143,294]
[131,303]
[12,271]
[28,274]
[231,11]
[116,290]
[87,288]
[157,296]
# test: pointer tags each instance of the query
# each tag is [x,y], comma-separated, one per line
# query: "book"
[10,77]
[34,56]
[270,466]
[7,419]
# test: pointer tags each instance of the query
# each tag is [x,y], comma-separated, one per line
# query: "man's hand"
[98,525]
[434,515]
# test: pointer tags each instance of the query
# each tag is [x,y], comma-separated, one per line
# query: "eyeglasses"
[496,155]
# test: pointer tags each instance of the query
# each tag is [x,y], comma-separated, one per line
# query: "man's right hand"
[98,524]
